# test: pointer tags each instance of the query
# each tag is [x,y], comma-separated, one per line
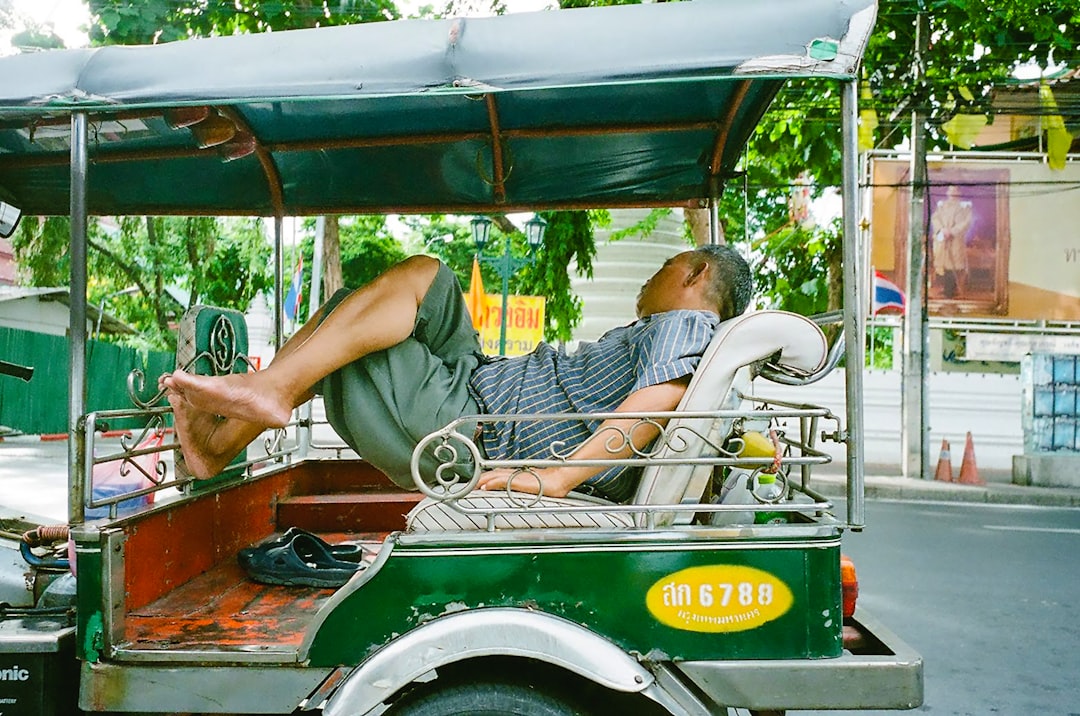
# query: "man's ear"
[695,273]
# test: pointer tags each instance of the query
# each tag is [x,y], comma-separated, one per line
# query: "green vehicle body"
[572,578]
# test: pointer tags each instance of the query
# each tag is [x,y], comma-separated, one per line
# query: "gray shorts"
[383,404]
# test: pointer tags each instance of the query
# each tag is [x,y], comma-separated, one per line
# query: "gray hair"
[731,287]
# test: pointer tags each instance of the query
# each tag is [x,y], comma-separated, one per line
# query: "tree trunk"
[698,221]
[332,280]
[836,277]
[505,225]
[159,282]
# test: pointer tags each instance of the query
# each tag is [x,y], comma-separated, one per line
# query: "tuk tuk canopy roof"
[634,105]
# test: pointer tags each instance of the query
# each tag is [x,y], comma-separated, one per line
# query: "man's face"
[667,289]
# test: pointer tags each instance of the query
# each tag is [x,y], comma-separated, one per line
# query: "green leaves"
[152,268]
[41,250]
[973,43]
[795,268]
[126,22]
[569,238]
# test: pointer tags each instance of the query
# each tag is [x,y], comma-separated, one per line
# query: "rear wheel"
[485,698]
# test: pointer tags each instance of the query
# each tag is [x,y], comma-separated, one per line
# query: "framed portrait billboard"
[968,235]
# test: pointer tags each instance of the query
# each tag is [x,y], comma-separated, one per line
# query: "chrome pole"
[854,306]
[304,430]
[77,473]
[279,283]
[714,221]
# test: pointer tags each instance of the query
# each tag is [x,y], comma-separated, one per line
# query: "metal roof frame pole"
[315,293]
[714,221]
[77,317]
[854,304]
[304,429]
[279,283]
[915,409]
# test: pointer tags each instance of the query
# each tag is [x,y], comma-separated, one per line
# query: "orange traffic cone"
[944,464]
[969,473]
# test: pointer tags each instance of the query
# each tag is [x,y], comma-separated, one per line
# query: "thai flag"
[296,292]
[887,295]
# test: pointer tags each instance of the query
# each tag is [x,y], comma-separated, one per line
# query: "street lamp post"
[507,264]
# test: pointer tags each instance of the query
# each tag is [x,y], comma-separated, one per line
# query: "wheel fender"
[486,632]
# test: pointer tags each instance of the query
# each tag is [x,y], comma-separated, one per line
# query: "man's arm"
[558,481]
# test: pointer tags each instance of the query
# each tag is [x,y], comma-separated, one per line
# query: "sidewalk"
[995,491]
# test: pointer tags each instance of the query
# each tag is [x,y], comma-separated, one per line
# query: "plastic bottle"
[770,491]
[736,491]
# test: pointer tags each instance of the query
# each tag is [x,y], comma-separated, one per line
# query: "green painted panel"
[89,591]
[40,406]
[604,587]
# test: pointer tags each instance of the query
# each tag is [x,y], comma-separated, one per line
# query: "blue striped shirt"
[597,377]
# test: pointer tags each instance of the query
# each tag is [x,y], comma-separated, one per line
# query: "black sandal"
[303,561]
[344,552]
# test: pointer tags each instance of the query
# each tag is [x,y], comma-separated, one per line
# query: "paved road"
[986,593]
[33,479]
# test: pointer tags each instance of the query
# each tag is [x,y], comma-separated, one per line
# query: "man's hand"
[554,480]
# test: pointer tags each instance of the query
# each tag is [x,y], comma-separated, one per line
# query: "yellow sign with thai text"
[524,324]
[718,598]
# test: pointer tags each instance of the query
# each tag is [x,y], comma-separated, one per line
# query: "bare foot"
[194,428]
[230,396]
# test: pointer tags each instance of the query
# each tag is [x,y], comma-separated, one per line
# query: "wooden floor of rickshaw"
[224,609]
[218,607]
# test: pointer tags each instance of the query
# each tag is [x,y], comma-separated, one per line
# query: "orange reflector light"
[849,585]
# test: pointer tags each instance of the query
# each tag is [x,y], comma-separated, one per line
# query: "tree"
[569,237]
[975,47]
[973,44]
[152,268]
[129,22]
[28,35]
[367,248]
[795,263]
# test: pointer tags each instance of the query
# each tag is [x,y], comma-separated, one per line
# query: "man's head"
[711,278]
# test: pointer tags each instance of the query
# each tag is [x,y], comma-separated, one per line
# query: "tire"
[484,698]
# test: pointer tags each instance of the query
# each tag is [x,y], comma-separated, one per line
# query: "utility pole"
[915,408]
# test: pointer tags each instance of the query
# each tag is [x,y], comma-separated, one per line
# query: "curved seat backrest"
[738,343]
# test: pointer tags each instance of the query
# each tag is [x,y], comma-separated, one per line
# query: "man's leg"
[377,316]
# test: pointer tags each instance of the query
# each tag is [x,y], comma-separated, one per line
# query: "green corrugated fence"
[41,406]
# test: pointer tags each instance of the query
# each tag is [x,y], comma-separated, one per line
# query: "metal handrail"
[90,430]
[457,440]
